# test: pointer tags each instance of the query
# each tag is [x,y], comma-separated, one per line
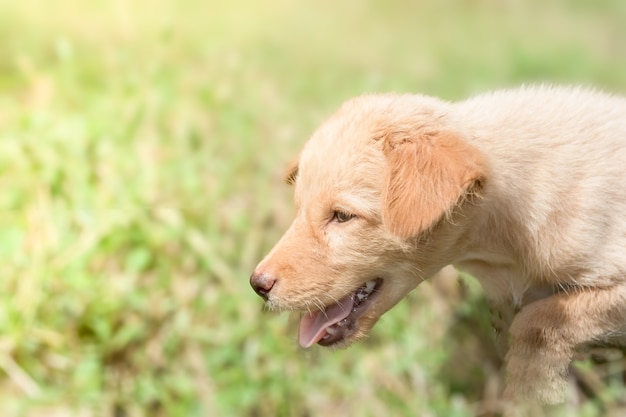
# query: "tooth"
[369,285]
[361,296]
[331,331]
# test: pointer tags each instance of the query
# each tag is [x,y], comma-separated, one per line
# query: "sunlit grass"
[141,151]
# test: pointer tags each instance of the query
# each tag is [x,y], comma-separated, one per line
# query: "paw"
[541,378]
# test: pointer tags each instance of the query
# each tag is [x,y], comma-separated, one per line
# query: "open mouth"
[333,324]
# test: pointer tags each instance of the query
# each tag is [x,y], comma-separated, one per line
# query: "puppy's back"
[558,173]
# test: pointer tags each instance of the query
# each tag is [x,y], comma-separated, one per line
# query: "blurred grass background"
[142,145]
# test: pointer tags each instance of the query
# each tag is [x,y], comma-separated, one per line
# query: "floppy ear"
[427,176]
[291,173]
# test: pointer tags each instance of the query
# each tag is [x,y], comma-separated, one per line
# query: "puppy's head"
[379,190]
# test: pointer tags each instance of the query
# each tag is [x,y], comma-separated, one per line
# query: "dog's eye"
[342,216]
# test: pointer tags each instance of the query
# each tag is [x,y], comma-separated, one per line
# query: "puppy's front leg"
[545,334]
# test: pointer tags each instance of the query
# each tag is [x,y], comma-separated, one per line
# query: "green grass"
[141,151]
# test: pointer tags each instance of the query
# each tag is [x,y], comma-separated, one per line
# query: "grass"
[141,152]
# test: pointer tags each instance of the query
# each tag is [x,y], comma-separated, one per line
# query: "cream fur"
[525,189]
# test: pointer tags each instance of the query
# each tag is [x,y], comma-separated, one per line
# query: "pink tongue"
[313,325]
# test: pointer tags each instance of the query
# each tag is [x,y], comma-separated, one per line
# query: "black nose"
[262,284]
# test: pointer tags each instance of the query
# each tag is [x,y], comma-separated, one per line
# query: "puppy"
[523,189]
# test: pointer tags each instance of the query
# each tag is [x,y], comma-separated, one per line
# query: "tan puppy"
[524,189]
